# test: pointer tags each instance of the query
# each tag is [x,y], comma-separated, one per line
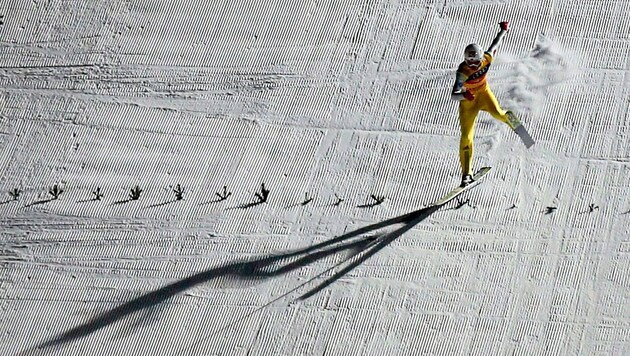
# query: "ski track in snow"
[338,102]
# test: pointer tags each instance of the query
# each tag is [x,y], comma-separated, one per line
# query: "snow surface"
[337,101]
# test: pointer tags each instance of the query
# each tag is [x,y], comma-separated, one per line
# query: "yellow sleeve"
[488,57]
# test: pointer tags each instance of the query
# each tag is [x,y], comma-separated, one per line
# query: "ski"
[459,190]
[519,129]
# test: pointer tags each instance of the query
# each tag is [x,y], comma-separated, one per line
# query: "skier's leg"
[489,103]
[467,114]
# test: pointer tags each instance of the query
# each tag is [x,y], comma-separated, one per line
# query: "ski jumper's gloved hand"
[468,95]
[505,26]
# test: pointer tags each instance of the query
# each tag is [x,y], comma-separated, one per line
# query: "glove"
[505,26]
[468,95]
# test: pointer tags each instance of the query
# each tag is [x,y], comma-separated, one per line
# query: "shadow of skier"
[372,249]
[257,269]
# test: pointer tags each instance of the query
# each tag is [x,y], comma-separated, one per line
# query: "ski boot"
[467,179]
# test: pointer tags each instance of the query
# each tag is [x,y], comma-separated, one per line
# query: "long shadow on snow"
[257,269]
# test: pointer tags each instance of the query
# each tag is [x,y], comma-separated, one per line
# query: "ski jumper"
[474,81]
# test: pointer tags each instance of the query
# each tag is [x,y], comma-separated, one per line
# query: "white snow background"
[331,106]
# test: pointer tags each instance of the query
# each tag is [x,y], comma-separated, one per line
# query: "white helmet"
[473,54]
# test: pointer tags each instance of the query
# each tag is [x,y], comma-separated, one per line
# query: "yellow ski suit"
[473,80]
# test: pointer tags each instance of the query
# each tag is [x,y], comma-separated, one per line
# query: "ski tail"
[519,129]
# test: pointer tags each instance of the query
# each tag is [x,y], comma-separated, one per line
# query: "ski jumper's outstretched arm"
[497,40]
[459,91]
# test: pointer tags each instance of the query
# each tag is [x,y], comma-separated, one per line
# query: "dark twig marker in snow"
[591,209]
[462,203]
[263,195]
[179,192]
[135,192]
[339,200]
[15,193]
[377,200]
[550,210]
[224,195]
[55,191]
[307,199]
[97,193]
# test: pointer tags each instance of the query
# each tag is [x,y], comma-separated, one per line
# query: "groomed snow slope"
[337,101]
